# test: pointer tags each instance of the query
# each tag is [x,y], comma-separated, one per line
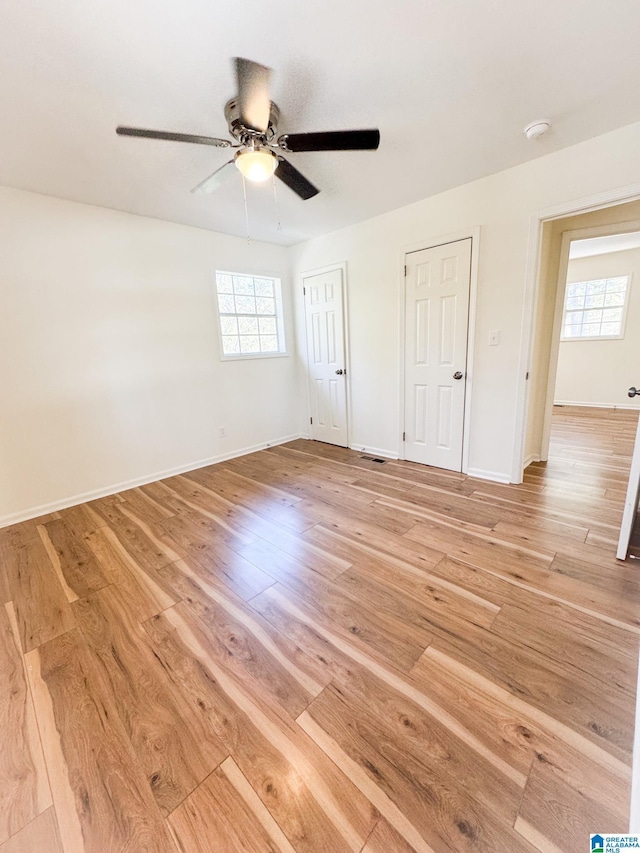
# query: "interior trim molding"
[481,474]
[374,451]
[532,457]
[114,488]
[596,405]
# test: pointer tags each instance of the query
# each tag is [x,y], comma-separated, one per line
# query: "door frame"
[532,284]
[474,235]
[342,266]
[630,501]
[567,238]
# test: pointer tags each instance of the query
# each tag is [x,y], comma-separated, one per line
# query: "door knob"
[633,392]
[457,375]
[340,372]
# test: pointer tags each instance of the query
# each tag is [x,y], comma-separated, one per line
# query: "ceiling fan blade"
[254,99]
[173,137]
[216,179]
[334,140]
[295,180]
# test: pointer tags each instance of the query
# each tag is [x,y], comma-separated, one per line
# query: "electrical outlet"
[223,432]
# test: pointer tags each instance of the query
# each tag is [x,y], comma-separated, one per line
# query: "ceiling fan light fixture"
[256,164]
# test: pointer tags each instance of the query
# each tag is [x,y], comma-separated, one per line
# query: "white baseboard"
[495,476]
[532,457]
[628,405]
[374,451]
[114,488]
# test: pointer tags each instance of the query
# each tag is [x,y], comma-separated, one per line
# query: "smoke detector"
[537,129]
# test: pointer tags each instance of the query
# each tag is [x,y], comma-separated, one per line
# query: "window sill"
[586,338]
[249,356]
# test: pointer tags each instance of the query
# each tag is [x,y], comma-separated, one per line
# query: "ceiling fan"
[253,123]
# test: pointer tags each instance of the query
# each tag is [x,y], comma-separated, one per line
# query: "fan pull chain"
[246,209]
[275,195]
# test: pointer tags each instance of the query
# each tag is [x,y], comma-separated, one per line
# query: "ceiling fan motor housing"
[244,134]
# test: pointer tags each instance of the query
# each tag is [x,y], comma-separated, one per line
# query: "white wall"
[502,205]
[109,359]
[599,372]
[109,364]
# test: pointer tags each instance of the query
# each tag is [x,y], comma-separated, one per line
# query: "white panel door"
[326,357]
[437,319]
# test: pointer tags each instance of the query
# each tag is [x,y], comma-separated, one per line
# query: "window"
[250,312]
[595,309]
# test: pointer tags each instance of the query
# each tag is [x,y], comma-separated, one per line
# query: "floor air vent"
[374,459]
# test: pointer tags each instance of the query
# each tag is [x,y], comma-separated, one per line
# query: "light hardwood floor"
[301,650]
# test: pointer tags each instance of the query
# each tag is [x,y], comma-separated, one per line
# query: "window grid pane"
[595,308]
[263,286]
[248,325]
[577,289]
[249,315]
[225,284]
[226,304]
[268,325]
[243,285]
[230,345]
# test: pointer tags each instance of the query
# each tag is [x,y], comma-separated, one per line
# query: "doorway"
[326,355]
[437,298]
[556,239]
[599,342]
[592,313]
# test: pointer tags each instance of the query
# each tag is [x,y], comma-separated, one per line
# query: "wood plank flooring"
[303,650]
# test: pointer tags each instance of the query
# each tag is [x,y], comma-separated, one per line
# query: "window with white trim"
[250,314]
[595,309]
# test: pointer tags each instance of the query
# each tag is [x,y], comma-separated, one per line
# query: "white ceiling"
[450,84]
[604,245]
